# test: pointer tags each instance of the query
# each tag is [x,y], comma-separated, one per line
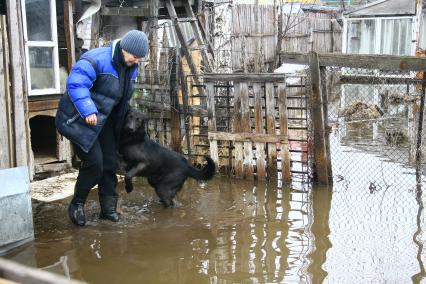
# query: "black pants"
[98,165]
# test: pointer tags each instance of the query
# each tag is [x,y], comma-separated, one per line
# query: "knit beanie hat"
[135,42]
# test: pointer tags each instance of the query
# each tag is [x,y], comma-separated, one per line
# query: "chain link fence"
[373,126]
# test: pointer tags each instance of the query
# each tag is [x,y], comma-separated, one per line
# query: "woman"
[91,115]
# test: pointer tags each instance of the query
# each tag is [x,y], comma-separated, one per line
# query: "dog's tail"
[206,173]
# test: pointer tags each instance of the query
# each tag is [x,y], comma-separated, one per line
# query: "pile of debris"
[360,111]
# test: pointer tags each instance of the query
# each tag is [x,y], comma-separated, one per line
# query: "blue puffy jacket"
[93,86]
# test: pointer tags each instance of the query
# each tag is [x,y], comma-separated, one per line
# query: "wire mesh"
[373,127]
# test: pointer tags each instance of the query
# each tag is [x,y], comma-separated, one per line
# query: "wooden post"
[323,75]
[320,151]
[214,153]
[246,127]
[418,22]
[4,102]
[7,90]
[153,41]
[175,143]
[285,151]
[69,33]
[94,34]
[419,133]
[270,129]
[238,146]
[18,84]
[259,129]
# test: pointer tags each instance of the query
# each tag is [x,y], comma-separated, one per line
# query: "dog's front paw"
[129,188]
[129,184]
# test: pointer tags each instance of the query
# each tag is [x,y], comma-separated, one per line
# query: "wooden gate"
[257,126]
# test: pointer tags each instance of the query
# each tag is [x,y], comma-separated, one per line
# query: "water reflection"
[234,231]
[320,230]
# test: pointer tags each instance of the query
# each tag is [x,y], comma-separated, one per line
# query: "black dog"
[166,170]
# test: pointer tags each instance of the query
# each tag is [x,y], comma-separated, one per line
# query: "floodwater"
[237,231]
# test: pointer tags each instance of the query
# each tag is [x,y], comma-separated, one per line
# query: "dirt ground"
[54,188]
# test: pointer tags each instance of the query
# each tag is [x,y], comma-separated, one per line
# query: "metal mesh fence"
[373,126]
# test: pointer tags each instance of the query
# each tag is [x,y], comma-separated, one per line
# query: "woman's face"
[129,58]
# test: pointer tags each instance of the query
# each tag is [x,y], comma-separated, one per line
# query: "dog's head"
[134,122]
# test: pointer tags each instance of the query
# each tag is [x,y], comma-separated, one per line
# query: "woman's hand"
[91,119]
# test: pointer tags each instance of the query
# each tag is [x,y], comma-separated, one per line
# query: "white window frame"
[52,44]
[378,28]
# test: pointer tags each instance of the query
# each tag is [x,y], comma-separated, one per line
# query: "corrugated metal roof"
[385,8]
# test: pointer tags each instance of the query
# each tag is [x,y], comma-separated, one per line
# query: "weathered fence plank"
[175,76]
[214,153]
[246,127]
[259,130]
[285,153]
[382,62]
[5,161]
[237,127]
[270,129]
[7,92]
[18,84]
[247,136]
[240,77]
[160,127]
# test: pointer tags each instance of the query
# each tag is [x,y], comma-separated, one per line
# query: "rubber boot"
[76,211]
[109,208]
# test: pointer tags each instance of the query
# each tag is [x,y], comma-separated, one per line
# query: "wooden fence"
[260,32]
[256,138]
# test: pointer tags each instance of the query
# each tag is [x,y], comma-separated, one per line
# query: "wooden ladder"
[190,17]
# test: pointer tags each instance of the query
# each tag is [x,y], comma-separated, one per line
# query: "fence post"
[320,149]
[419,133]
[323,79]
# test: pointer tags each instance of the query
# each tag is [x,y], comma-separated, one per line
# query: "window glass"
[423,32]
[41,67]
[396,36]
[38,20]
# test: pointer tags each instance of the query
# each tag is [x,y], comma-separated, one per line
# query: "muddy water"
[233,231]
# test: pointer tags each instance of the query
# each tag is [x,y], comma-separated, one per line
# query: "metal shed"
[385,27]
[385,8]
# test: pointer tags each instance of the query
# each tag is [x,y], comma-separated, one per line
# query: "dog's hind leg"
[167,190]
[165,197]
